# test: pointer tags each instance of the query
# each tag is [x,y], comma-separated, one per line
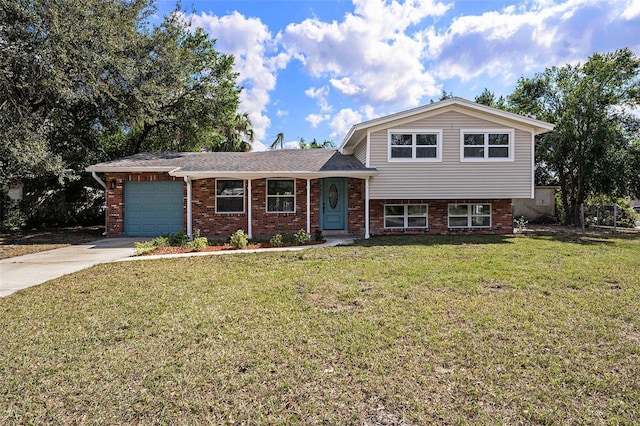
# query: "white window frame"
[231,196]
[486,146]
[267,196]
[405,216]
[413,133]
[469,215]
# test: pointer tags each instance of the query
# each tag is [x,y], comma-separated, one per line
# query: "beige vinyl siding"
[451,178]
[360,152]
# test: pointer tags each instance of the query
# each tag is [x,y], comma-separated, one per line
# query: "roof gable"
[358,131]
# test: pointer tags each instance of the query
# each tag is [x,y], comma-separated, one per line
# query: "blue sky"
[312,69]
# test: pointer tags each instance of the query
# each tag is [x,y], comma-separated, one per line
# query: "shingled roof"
[307,163]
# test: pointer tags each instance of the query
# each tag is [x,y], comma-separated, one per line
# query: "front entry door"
[334,203]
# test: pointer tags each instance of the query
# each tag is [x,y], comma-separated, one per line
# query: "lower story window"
[281,195]
[229,196]
[406,216]
[469,215]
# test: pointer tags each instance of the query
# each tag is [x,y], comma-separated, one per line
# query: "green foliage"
[594,147]
[276,240]
[162,241]
[113,85]
[302,237]
[179,239]
[520,223]
[197,244]
[239,239]
[144,247]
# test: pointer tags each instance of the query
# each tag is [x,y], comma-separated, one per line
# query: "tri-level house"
[449,167]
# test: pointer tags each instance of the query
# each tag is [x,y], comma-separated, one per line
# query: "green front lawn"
[476,330]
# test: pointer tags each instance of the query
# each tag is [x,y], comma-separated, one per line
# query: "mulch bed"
[226,247]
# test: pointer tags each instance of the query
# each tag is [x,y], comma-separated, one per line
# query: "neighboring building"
[450,167]
[542,207]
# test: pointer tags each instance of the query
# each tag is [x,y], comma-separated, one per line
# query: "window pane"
[416,210]
[458,221]
[427,139]
[230,204]
[477,209]
[498,139]
[394,210]
[474,139]
[280,187]
[473,152]
[426,152]
[480,221]
[401,152]
[417,222]
[458,209]
[499,152]
[394,222]
[230,187]
[280,204]
[401,139]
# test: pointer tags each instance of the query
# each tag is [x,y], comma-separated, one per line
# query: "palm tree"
[278,141]
[238,135]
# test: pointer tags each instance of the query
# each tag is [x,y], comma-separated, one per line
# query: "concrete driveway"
[21,272]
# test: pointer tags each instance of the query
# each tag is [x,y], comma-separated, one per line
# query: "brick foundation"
[501,217]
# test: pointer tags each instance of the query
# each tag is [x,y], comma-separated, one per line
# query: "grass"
[464,330]
[14,244]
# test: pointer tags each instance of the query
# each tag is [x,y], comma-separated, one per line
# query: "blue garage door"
[153,208]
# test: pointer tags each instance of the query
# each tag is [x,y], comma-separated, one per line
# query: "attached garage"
[153,208]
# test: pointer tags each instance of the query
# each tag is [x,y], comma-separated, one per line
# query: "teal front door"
[334,204]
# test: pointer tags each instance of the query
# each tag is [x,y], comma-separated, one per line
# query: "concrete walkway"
[21,272]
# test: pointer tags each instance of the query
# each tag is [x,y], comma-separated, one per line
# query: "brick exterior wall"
[501,217]
[221,225]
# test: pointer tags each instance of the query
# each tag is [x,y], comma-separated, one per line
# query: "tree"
[279,140]
[488,98]
[594,144]
[112,86]
[315,144]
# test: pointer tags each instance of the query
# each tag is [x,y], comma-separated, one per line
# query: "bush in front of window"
[239,239]
[302,237]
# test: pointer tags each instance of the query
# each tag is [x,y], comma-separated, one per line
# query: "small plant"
[288,238]
[520,223]
[239,239]
[302,237]
[144,247]
[162,241]
[197,244]
[178,239]
[276,240]
[318,235]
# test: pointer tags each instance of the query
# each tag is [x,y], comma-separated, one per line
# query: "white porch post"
[189,214]
[366,208]
[249,218]
[308,206]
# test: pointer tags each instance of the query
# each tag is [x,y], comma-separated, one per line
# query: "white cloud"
[321,95]
[282,113]
[343,121]
[519,40]
[369,55]
[632,10]
[256,61]
[316,119]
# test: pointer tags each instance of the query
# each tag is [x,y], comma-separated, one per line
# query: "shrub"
[302,237]
[143,247]
[162,241]
[197,244]
[276,240]
[178,239]
[318,235]
[520,223]
[239,239]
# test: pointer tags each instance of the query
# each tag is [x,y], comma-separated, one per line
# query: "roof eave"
[301,174]
[128,169]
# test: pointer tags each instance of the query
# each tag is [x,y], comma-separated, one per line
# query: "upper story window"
[281,195]
[486,145]
[229,196]
[415,145]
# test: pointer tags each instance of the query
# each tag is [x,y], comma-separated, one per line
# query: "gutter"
[104,186]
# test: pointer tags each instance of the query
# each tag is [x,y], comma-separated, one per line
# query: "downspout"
[104,186]
[249,216]
[187,180]
[366,208]
[309,206]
